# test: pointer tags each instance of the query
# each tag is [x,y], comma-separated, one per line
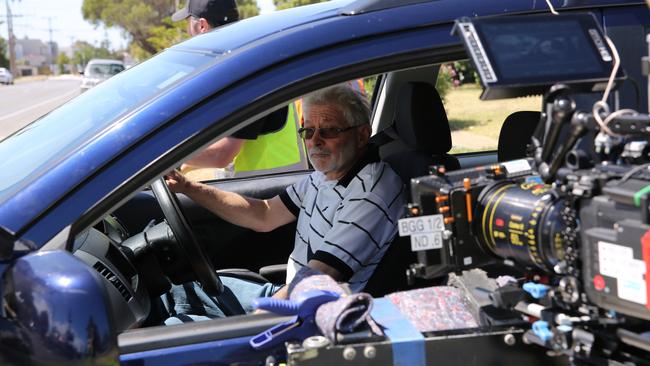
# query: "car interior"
[138,250]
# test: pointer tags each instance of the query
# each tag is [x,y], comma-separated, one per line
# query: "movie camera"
[573,217]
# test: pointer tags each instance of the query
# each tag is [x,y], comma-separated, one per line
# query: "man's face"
[333,156]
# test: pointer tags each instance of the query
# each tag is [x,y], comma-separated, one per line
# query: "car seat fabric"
[420,133]
[515,134]
[419,137]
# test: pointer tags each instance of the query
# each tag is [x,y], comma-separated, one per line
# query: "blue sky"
[33,19]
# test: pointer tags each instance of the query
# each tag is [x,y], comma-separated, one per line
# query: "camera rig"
[572,219]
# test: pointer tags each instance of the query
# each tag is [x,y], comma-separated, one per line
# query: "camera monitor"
[526,55]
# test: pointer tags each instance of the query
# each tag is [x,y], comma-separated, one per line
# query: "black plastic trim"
[366,6]
[156,338]
[108,274]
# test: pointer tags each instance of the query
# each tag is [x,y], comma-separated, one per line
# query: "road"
[23,103]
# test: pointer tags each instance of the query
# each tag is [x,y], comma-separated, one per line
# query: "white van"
[98,70]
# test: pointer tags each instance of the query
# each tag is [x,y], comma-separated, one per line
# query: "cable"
[602,105]
[612,76]
[550,6]
[632,172]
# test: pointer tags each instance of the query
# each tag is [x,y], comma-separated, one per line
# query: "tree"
[4,61]
[136,17]
[285,4]
[147,22]
[84,52]
[247,8]
[61,60]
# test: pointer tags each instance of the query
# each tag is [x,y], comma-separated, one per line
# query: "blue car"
[82,270]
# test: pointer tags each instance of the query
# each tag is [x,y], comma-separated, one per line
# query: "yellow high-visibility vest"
[275,152]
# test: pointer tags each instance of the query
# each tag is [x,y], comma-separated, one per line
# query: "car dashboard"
[128,296]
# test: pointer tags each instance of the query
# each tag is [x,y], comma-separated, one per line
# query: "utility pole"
[73,67]
[11,40]
[50,45]
[49,22]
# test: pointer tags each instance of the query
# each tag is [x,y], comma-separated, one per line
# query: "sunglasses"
[306,133]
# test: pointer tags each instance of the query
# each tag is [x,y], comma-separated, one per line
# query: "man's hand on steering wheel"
[176,181]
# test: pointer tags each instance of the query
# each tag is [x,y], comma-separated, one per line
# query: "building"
[34,56]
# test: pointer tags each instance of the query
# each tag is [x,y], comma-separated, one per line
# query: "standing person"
[347,209]
[205,15]
[252,150]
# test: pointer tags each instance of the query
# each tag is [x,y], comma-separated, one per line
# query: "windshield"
[38,146]
[97,69]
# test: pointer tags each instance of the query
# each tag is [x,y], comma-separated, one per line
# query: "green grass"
[461,150]
[466,111]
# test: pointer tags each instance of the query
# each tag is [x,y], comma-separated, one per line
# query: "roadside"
[29,79]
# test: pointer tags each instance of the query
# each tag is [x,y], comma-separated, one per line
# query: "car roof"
[263,42]
[248,31]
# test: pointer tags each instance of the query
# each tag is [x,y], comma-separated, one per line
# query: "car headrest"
[515,134]
[420,119]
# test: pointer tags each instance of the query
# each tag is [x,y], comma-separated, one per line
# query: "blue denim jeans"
[188,302]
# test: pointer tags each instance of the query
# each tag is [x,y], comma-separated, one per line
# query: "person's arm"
[283,292]
[326,269]
[252,213]
[217,155]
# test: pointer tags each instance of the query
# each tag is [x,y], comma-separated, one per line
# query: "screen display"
[542,49]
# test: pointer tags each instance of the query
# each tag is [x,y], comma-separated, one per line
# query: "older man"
[346,209]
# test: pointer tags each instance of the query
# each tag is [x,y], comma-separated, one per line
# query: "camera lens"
[521,221]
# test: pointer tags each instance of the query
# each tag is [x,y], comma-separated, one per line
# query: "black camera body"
[570,221]
[615,247]
[592,231]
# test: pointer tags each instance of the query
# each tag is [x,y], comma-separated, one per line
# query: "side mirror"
[51,291]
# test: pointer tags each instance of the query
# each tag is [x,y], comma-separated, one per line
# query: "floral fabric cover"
[435,308]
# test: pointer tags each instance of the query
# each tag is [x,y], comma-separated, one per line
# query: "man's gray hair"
[352,103]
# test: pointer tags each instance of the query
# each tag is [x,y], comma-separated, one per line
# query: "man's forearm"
[282,293]
[217,155]
[242,211]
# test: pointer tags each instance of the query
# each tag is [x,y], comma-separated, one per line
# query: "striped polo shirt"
[347,224]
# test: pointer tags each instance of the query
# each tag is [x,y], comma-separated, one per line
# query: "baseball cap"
[216,12]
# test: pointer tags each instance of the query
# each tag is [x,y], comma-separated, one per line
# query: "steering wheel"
[196,255]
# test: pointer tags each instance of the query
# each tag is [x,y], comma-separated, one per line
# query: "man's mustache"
[318,150]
